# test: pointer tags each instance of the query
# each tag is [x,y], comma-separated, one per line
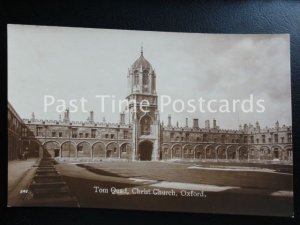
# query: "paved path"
[20,174]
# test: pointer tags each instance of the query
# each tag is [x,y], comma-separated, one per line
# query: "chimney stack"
[214,123]
[122,118]
[195,123]
[91,116]
[169,121]
[207,125]
[186,122]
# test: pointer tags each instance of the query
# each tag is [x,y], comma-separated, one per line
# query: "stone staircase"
[48,187]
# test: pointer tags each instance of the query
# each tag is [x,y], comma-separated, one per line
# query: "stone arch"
[51,148]
[125,149]
[210,152]
[287,147]
[98,149]
[188,151]
[265,152]
[287,152]
[253,153]
[34,148]
[231,152]
[165,148]
[68,149]
[176,151]
[221,151]
[112,149]
[276,152]
[165,152]
[73,142]
[200,152]
[84,149]
[243,152]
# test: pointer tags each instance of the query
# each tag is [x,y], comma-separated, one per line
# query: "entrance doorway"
[145,150]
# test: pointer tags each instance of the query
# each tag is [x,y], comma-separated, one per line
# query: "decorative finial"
[142,49]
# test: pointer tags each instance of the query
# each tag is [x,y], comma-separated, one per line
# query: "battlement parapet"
[202,130]
[76,123]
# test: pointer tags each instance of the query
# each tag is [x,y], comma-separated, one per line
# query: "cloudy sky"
[70,63]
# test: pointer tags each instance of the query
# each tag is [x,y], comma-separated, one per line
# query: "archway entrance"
[145,150]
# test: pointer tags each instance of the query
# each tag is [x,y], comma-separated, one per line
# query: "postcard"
[144,120]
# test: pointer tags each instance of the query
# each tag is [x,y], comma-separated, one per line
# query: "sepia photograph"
[146,120]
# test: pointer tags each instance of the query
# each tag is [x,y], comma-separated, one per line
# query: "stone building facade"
[143,136]
[14,125]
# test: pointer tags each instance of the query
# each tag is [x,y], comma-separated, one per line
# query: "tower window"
[145,80]
[125,134]
[136,78]
[145,125]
